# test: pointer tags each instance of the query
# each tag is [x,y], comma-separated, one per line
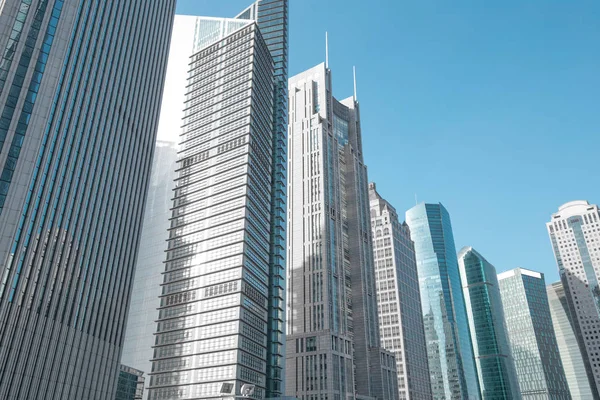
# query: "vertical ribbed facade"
[493,358]
[531,334]
[574,233]
[398,299]
[570,355]
[333,347]
[449,349]
[80,88]
[213,316]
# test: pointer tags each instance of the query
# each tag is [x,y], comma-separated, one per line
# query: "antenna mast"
[326,50]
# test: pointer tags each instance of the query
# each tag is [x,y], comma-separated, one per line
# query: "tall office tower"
[398,298]
[220,318]
[531,335]
[451,363]
[332,321]
[272,18]
[141,322]
[570,355]
[575,233]
[80,89]
[493,358]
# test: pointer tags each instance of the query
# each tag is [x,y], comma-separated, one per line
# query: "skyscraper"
[221,314]
[493,358]
[80,89]
[575,235]
[141,321]
[531,335]
[570,355]
[398,298]
[332,339]
[451,363]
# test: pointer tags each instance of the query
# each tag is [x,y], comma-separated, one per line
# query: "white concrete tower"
[575,235]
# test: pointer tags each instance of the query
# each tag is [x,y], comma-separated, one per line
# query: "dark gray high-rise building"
[398,298]
[333,345]
[80,90]
[220,322]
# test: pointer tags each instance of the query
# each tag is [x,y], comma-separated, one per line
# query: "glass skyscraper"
[570,355]
[451,362]
[575,232]
[141,321]
[80,89]
[531,335]
[221,312]
[399,299]
[493,358]
[333,347]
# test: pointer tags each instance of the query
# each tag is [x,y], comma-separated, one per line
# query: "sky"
[491,108]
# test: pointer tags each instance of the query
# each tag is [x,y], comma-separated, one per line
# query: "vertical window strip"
[13,41]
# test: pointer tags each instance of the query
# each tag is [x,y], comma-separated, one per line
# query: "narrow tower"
[493,357]
[451,363]
[333,346]
[398,298]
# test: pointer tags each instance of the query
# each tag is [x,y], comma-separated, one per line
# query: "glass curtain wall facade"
[570,355]
[141,322]
[273,19]
[333,334]
[451,363]
[399,299]
[130,385]
[216,321]
[574,233]
[80,90]
[531,334]
[493,358]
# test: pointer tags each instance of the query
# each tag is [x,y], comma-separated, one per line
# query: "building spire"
[326,50]
[354,72]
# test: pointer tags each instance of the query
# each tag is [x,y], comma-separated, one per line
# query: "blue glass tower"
[493,358]
[80,91]
[451,362]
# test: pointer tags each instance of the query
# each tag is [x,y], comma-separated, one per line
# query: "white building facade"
[575,235]
[398,298]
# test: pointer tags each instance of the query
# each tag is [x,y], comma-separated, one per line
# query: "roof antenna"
[326,50]
[354,72]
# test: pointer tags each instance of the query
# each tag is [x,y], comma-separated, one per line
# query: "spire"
[326,50]
[354,71]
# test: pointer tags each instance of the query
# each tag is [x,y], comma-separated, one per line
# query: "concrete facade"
[398,298]
[331,286]
[575,233]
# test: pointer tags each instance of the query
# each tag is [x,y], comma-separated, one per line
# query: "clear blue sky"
[492,108]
